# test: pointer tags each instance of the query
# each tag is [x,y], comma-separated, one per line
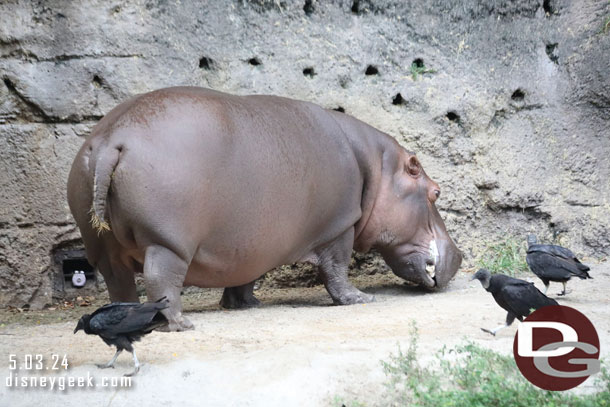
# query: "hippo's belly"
[239,268]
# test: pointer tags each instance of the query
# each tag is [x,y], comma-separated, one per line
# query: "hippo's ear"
[412,166]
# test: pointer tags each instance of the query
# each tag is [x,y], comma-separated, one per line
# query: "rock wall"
[506,102]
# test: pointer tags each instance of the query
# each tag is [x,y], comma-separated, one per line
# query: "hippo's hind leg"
[239,297]
[164,273]
[118,278]
[105,253]
[333,263]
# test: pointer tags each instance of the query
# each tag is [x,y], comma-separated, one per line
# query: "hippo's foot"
[239,297]
[333,260]
[177,324]
[232,302]
[353,297]
[164,273]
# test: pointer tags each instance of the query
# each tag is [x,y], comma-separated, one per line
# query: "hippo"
[195,187]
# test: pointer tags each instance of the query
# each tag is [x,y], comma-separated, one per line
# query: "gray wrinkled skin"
[202,188]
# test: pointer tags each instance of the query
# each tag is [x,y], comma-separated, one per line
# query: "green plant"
[472,376]
[605,25]
[506,257]
[408,380]
[341,402]
[418,69]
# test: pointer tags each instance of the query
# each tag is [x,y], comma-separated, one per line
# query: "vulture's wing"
[122,318]
[104,320]
[553,267]
[557,251]
[521,298]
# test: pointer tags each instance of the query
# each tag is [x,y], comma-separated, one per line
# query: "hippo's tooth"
[430,269]
[433,251]
[433,259]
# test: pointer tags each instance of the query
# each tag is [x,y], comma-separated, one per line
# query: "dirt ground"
[296,349]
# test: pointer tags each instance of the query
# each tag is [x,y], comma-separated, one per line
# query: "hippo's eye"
[437,192]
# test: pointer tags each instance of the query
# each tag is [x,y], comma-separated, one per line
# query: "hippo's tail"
[107,160]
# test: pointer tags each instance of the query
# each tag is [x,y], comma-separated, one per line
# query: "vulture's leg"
[111,363]
[136,364]
[565,283]
[510,318]
[546,288]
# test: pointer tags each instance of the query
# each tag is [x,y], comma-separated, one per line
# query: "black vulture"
[519,297]
[122,323]
[554,263]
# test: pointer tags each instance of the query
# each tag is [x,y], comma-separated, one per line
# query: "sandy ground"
[296,349]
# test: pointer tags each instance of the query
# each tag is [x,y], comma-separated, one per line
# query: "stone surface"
[508,110]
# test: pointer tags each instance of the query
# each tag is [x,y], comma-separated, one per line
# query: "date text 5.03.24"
[37,362]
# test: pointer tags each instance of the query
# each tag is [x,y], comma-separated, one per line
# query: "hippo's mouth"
[415,266]
[426,268]
[420,269]
[431,265]
[431,269]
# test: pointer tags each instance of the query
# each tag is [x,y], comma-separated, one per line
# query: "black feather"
[555,263]
[516,296]
[122,323]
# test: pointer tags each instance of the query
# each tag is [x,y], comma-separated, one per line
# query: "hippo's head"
[409,231]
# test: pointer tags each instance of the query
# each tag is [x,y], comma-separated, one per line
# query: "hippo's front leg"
[164,274]
[333,264]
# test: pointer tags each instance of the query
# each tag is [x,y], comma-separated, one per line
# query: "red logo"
[557,348]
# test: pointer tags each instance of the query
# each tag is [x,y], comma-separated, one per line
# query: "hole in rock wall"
[548,7]
[453,116]
[418,62]
[254,61]
[308,7]
[205,63]
[518,95]
[398,100]
[356,7]
[309,71]
[339,109]
[551,52]
[371,70]
[97,81]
